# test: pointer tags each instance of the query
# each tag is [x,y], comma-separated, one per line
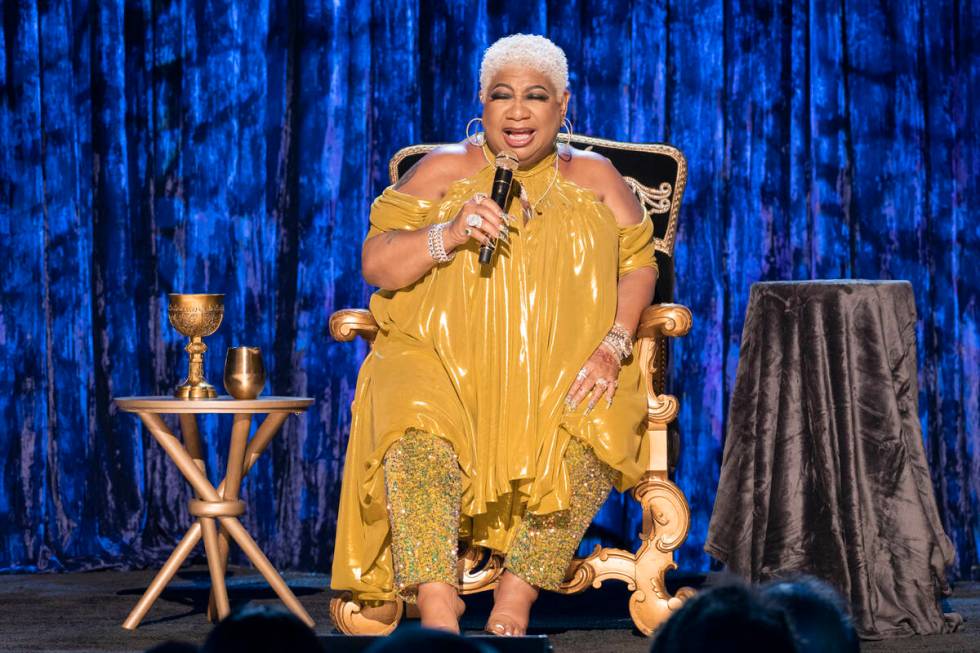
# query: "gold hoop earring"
[476,139]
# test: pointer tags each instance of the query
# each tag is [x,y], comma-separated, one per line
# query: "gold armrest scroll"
[672,320]
[347,324]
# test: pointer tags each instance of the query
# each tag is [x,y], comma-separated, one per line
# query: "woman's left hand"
[597,378]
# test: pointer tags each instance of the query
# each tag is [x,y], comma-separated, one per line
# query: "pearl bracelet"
[437,244]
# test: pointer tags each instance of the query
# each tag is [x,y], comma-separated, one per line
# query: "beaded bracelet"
[437,245]
[620,340]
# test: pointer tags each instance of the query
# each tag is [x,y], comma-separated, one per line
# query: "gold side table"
[215,506]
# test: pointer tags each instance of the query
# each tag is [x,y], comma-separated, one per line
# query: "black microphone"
[506,163]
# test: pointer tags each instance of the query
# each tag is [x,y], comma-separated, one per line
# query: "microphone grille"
[507,160]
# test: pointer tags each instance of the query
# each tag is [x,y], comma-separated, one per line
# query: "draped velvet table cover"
[824,470]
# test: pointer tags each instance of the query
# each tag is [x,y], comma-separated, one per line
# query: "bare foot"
[512,601]
[440,606]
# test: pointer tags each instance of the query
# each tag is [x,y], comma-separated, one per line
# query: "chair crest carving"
[653,200]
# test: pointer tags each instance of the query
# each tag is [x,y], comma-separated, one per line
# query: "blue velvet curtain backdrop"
[155,147]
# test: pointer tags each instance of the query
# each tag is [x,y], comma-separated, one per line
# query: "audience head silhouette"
[816,613]
[173,647]
[261,630]
[733,618]
[429,641]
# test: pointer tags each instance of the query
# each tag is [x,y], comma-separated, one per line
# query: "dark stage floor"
[83,612]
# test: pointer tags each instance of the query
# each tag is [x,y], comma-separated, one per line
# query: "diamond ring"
[474,220]
[581,374]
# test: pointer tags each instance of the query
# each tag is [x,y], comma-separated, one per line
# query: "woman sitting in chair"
[500,403]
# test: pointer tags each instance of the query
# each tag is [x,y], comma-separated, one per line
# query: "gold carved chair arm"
[347,324]
[664,320]
[657,323]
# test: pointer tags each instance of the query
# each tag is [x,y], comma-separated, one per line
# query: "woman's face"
[522,112]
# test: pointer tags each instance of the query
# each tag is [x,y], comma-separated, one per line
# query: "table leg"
[236,456]
[164,576]
[254,553]
[192,438]
[263,436]
[224,546]
[229,491]
[218,604]
[256,447]
[219,592]
[199,482]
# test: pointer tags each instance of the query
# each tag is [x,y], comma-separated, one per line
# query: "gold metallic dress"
[485,360]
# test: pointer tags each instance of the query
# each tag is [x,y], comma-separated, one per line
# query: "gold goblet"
[196,316]
[244,372]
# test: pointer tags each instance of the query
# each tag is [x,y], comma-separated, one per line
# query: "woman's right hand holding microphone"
[480,219]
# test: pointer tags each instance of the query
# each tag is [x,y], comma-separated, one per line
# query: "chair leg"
[666,519]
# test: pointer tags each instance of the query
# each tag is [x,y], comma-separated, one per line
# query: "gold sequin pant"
[424,487]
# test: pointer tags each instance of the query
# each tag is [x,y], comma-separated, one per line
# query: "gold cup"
[196,316]
[244,372]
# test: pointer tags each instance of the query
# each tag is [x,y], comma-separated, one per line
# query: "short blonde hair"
[528,50]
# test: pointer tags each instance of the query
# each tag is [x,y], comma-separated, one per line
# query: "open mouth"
[515,137]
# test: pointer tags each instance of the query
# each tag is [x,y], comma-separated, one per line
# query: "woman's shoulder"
[589,170]
[434,173]
[594,172]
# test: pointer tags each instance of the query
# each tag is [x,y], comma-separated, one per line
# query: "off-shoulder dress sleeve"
[636,247]
[396,210]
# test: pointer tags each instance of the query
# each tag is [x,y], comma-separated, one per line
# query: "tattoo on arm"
[404,179]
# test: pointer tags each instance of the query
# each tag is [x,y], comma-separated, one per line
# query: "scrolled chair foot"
[650,609]
[666,522]
[352,618]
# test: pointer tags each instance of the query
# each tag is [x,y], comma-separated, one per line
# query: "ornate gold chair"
[657,173]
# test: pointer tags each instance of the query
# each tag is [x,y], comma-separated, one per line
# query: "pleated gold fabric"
[484,360]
